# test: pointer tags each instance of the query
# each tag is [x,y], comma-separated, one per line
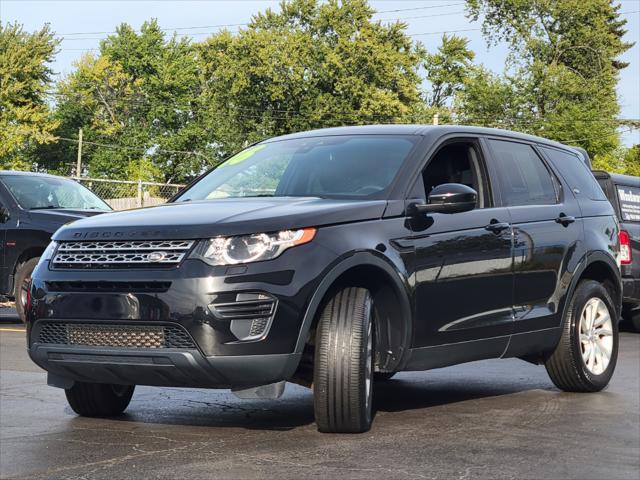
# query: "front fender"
[358,259]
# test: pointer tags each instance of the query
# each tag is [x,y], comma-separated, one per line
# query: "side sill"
[427,358]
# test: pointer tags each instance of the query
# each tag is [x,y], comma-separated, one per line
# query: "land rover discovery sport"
[335,258]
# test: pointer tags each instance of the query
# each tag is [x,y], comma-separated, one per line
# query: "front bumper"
[171,368]
[217,357]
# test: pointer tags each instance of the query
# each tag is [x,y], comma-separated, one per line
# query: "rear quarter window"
[575,173]
[629,198]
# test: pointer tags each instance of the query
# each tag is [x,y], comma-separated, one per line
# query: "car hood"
[60,216]
[211,218]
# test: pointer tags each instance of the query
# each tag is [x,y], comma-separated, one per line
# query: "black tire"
[631,317]
[566,366]
[383,376]
[23,274]
[99,399]
[343,367]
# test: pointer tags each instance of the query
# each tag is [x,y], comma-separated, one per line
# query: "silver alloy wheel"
[368,380]
[596,335]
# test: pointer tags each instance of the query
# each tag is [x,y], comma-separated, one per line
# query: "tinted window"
[357,166]
[575,173]
[523,177]
[40,192]
[456,162]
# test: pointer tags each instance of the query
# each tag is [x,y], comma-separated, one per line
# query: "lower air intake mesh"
[116,336]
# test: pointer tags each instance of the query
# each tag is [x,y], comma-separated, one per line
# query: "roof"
[423,130]
[618,178]
[15,173]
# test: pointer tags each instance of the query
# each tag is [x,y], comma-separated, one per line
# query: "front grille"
[121,254]
[116,336]
[109,287]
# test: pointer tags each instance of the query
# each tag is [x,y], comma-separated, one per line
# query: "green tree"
[622,160]
[448,69]
[564,63]
[25,76]
[491,100]
[311,64]
[136,102]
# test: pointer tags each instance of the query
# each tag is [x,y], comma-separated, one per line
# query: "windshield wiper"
[44,208]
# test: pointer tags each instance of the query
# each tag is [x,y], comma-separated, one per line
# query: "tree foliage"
[621,160]
[447,69]
[565,65]
[306,66]
[139,94]
[155,107]
[24,79]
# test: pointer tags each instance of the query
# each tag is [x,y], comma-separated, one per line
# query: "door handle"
[497,227]
[565,220]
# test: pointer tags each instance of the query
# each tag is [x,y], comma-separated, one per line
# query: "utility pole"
[79,161]
[436,118]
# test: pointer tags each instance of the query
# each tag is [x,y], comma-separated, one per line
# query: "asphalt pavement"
[491,420]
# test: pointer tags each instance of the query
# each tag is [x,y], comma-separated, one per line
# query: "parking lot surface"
[490,419]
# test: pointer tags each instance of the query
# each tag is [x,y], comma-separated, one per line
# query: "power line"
[207,33]
[147,149]
[393,19]
[224,25]
[288,114]
[126,147]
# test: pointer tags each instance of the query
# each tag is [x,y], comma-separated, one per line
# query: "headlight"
[48,252]
[251,248]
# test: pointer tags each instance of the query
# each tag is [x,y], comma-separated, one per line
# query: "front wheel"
[343,369]
[99,399]
[586,355]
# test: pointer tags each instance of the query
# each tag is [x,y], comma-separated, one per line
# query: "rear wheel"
[343,369]
[21,285]
[99,399]
[586,355]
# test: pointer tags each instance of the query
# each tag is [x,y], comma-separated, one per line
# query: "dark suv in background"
[32,207]
[334,258]
[623,191]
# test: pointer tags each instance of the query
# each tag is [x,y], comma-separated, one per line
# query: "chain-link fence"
[122,194]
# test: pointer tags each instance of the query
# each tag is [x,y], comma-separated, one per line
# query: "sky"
[81,24]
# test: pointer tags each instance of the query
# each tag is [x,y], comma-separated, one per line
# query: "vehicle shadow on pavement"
[397,394]
[203,408]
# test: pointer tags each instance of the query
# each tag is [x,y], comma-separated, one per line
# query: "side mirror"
[5,215]
[449,198]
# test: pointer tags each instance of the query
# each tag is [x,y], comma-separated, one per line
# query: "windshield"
[40,192]
[357,166]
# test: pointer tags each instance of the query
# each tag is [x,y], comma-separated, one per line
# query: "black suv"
[32,207]
[623,192]
[333,258]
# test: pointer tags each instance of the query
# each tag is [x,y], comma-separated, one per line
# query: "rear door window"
[575,173]
[629,198]
[523,177]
